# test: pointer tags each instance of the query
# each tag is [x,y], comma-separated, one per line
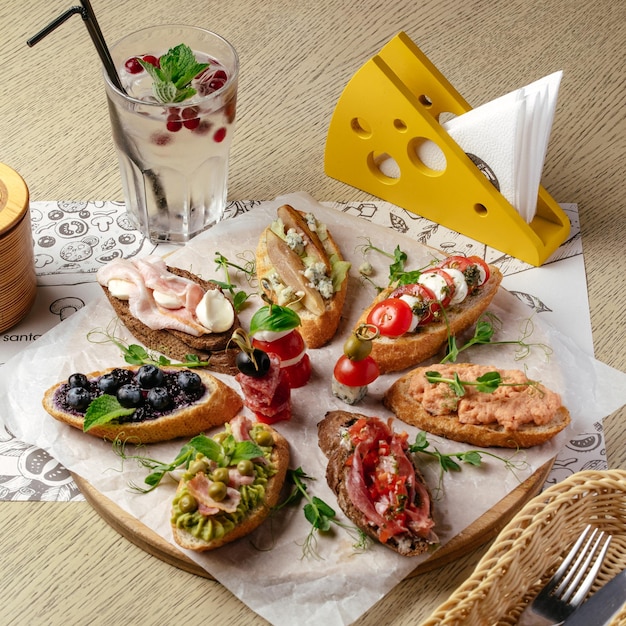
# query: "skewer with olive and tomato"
[411,306]
[356,369]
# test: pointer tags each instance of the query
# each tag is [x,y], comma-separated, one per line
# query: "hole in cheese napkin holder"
[389,112]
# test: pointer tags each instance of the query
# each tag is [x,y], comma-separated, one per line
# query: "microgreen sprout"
[248,269]
[320,515]
[451,461]
[226,452]
[486,383]
[137,355]
[486,328]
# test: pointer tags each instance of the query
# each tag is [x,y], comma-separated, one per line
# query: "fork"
[567,589]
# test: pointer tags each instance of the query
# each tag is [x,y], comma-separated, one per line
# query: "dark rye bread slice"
[176,344]
[254,518]
[331,441]
[409,409]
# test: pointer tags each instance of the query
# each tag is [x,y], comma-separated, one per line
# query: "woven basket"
[529,549]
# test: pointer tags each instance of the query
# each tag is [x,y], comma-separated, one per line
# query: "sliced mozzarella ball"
[215,312]
[167,300]
[119,288]
[436,283]
[482,274]
[460,285]
[411,301]
[271,335]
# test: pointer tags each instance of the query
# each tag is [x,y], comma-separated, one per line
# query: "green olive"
[357,349]
[187,503]
[217,491]
[245,467]
[199,465]
[263,437]
[220,475]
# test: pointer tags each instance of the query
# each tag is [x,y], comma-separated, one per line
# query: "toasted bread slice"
[318,326]
[217,404]
[405,403]
[212,347]
[332,441]
[226,528]
[395,354]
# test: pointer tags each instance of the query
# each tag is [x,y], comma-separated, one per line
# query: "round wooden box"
[18,280]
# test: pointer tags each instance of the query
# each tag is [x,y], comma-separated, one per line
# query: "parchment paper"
[267,570]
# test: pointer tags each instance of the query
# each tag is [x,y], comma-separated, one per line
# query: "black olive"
[78,380]
[78,398]
[149,376]
[247,366]
[130,396]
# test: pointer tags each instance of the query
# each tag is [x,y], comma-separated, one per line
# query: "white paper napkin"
[509,138]
[506,138]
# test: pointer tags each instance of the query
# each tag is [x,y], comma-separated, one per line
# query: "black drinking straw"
[89,17]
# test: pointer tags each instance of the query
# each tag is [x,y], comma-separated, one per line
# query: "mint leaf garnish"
[171,81]
[103,410]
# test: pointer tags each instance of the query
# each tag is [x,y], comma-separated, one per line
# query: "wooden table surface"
[61,563]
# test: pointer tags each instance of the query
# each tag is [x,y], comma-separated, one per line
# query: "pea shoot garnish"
[486,327]
[135,354]
[486,383]
[451,461]
[320,515]
[224,453]
[248,269]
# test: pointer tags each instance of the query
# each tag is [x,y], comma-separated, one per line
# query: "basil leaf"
[274,318]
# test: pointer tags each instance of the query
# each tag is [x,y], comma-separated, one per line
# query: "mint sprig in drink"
[173,128]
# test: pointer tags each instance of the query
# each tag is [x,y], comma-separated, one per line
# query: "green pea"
[217,491]
[187,503]
[245,467]
[220,475]
[199,465]
[263,437]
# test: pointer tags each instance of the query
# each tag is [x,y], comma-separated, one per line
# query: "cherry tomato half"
[392,317]
[299,373]
[287,347]
[427,311]
[483,265]
[356,373]
[456,262]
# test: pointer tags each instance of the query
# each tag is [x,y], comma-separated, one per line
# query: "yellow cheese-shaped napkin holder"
[389,107]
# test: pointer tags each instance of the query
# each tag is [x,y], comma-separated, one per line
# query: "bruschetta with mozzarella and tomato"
[415,319]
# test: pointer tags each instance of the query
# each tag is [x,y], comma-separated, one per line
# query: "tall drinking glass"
[173,156]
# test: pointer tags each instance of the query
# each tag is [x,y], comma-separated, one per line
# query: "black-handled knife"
[602,605]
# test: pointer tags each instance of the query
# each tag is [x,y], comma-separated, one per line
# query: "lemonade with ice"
[173,129]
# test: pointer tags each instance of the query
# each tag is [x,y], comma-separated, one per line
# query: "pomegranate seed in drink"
[149,58]
[219,135]
[174,123]
[132,66]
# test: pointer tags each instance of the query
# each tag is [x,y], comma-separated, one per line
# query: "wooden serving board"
[478,533]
